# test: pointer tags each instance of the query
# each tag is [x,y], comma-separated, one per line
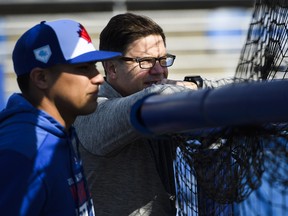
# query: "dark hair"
[23,82]
[123,29]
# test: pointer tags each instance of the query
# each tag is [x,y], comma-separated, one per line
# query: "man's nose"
[157,69]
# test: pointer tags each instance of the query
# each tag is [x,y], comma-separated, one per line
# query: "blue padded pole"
[236,104]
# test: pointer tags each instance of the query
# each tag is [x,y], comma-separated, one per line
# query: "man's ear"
[39,77]
[110,69]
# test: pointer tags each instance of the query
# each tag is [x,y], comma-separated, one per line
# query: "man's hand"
[190,85]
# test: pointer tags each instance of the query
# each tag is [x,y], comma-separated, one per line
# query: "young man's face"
[74,88]
[129,78]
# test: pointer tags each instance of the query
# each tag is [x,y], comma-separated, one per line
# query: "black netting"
[264,55]
[241,170]
[217,173]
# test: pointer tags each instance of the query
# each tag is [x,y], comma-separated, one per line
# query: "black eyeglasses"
[149,62]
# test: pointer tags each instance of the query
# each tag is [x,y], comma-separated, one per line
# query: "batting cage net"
[242,170]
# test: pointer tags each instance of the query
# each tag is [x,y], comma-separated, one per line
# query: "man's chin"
[90,109]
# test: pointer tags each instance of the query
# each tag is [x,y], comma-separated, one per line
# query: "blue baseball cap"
[56,42]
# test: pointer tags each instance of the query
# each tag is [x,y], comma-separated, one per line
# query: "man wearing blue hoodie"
[41,173]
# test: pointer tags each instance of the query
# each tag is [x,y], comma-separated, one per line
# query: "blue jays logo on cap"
[43,54]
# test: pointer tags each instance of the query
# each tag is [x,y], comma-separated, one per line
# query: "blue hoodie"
[40,172]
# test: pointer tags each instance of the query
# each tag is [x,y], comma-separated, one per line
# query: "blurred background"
[206,35]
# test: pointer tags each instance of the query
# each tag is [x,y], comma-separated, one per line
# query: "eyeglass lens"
[150,62]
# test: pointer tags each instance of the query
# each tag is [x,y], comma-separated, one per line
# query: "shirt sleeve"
[215,83]
[109,129]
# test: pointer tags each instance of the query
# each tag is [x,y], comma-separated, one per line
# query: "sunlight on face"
[132,78]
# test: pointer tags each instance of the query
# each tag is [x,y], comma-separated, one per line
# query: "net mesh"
[264,55]
[241,170]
